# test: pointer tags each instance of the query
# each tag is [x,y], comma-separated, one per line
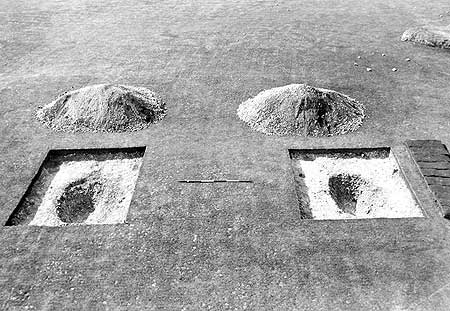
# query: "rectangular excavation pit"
[80,186]
[351,184]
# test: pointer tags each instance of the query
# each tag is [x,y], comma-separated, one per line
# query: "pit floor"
[75,186]
[221,246]
[346,186]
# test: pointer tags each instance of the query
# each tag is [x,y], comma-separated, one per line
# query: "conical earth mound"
[436,36]
[103,108]
[299,109]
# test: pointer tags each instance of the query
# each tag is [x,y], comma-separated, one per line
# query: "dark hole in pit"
[77,202]
[345,190]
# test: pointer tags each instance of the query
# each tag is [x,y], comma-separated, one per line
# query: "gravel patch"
[299,109]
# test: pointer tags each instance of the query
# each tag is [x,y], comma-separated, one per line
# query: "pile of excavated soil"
[299,109]
[353,188]
[103,108]
[89,192]
[436,36]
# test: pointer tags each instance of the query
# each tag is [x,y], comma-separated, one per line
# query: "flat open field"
[221,246]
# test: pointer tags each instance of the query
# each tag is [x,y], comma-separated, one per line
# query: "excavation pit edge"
[80,186]
[351,184]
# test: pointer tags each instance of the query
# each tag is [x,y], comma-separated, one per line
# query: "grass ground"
[220,246]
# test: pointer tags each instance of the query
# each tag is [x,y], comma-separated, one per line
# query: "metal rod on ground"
[205,181]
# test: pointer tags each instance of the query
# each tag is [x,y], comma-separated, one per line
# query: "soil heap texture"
[103,108]
[299,109]
[436,36]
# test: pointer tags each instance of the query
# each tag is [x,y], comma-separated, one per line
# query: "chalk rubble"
[435,36]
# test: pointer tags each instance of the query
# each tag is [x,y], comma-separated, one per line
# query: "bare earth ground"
[227,246]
